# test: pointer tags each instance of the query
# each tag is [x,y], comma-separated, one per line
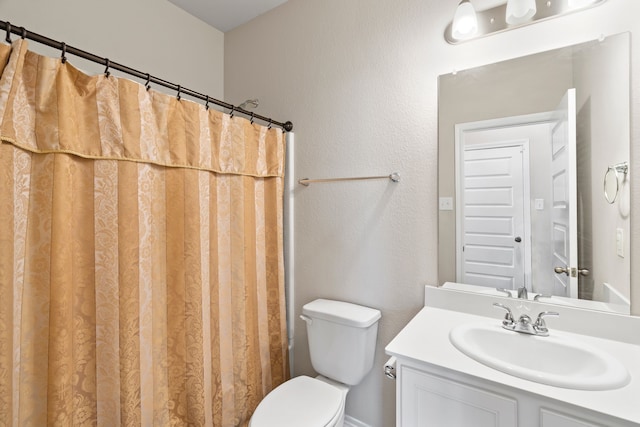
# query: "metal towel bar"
[395,177]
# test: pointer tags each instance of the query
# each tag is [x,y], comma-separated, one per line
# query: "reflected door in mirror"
[493,222]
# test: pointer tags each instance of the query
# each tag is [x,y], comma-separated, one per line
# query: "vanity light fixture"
[520,11]
[469,24]
[573,4]
[465,22]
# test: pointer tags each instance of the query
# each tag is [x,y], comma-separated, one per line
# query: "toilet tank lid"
[341,312]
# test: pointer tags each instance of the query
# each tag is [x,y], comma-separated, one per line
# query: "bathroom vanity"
[439,385]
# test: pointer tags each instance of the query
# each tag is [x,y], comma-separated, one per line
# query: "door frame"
[493,124]
[572,263]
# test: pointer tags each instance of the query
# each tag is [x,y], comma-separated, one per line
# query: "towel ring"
[614,171]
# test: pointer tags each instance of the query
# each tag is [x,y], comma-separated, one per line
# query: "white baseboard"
[352,422]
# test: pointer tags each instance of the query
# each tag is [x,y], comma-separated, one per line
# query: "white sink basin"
[554,360]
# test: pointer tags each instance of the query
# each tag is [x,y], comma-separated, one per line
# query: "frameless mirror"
[531,152]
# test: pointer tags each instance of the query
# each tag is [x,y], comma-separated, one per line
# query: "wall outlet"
[620,242]
[446,203]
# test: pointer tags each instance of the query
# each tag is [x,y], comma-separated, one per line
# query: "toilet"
[342,341]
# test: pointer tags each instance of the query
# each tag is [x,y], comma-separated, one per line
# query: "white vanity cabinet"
[437,385]
[426,399]
[431,397]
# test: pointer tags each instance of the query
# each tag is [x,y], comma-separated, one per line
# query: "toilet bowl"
[303,401]
[342,338]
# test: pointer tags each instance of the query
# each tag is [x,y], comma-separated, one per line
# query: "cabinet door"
[549,418]
[428,400]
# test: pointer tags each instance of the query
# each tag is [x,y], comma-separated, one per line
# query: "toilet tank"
[342,339]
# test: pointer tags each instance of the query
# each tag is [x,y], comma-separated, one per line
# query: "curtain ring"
[252,114]
[270,123]
[8,37]
[106,70]
[207,104]
[24,33]
[63,56]
[233,108]
[147,84]
[178,95]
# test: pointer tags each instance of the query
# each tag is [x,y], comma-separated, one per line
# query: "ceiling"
[225,15]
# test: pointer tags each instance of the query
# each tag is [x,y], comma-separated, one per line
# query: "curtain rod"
[22,32]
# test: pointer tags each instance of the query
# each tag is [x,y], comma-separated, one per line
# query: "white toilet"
[342,340]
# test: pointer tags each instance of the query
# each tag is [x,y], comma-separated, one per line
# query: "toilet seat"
[301,401]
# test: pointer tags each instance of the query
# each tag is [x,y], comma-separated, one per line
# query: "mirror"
[524,146]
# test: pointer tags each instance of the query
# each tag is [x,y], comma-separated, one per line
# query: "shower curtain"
[141,259]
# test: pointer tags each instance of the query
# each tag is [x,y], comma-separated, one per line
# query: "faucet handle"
[508,317]
[504,291]
[540,325]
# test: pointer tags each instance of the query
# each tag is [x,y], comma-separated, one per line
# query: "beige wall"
[359,81]
[153,36]
[603,129]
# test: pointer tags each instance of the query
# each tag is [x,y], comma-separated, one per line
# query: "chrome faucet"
[525,324]
[522,293]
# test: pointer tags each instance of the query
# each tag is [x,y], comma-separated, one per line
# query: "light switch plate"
[620,242]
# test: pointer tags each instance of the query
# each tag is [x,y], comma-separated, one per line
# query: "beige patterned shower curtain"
[141,259]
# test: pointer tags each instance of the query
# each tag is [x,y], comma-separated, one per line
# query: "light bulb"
[520,11]
[465,23]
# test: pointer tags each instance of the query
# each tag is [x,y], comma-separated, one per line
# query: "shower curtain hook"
[252,114]
[207,104]
[106,70]
[8,38]
[24,33]
[147,84]
[232,110]
[63,56]
[270,123]
[178,95]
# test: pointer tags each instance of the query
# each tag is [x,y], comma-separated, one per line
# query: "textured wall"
[152,36]
[603,130]
[359,81]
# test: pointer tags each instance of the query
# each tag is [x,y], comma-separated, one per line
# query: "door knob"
[518,239]
[583,271]
[560,270]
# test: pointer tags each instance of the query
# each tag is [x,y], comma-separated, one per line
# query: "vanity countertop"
[425,339]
